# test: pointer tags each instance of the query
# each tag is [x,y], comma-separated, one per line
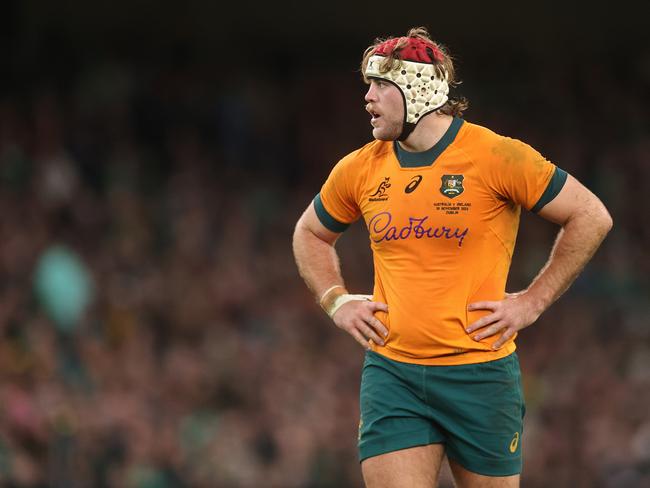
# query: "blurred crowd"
[154,331]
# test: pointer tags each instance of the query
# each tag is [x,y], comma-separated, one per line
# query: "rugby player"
[441,198]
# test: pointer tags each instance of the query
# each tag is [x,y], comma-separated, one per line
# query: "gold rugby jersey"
[442,227]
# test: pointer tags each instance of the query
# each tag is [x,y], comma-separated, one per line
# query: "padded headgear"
[417,73]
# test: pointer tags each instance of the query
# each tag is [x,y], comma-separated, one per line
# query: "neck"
[427,133]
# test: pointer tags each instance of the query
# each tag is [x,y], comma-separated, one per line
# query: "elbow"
[303,235]
[596,218]
[298,233]
[609,222]
[296,230]
[301,227]
[605,221]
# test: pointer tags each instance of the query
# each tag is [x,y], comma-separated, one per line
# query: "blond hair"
[454,107]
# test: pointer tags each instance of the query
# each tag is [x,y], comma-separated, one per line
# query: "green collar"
[427,158]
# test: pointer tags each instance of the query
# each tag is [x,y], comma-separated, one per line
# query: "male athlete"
[441,199]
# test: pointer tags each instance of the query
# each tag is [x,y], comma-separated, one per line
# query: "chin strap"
[406,131]
[409,127]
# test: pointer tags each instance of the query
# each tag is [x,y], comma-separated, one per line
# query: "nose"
[371,94]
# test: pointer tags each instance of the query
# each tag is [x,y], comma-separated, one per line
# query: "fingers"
[377,325]
[486,305]
[505,337]
[372,321]
[357,318]
[364,334]
[370,334]
[483,321]
[508,316]
[378,307]
[360,339]
[490,331]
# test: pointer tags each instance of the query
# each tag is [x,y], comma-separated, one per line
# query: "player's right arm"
[318,264]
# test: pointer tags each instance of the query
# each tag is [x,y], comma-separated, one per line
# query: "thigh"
[416,467]
[480,409]
[467,479]
[394,416]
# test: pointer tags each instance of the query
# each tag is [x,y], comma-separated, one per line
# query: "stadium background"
[153,161]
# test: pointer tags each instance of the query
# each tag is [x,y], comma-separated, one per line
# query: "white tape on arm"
[336,296]
[343,299]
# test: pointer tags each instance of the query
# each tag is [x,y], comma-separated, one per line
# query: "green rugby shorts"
[476,410]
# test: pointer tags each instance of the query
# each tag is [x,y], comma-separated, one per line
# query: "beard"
[389,131]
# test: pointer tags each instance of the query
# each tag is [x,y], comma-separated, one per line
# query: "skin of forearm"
[317,261]
[574,246]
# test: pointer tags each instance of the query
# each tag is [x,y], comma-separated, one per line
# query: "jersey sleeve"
[520,174]
[337,205]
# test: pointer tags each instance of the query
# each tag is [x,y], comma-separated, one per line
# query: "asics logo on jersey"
[380,193]
[415,181]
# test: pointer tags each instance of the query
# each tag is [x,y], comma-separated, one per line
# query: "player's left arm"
[585,222]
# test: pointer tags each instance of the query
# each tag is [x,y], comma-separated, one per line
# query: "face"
[386,105]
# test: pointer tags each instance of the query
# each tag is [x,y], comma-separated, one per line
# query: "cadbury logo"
[382,230]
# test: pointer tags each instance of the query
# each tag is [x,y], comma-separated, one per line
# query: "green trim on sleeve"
[326,219]
[554,186]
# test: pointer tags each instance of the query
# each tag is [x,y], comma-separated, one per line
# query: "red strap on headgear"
[416,49]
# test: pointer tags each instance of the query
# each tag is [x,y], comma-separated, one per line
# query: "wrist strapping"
[337,296]
[343,299]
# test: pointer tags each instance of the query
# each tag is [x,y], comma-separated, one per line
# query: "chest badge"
[452,185]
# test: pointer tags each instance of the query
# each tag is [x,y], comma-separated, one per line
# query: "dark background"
[154,158]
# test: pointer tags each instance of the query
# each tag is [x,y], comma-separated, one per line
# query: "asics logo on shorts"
[514,443]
